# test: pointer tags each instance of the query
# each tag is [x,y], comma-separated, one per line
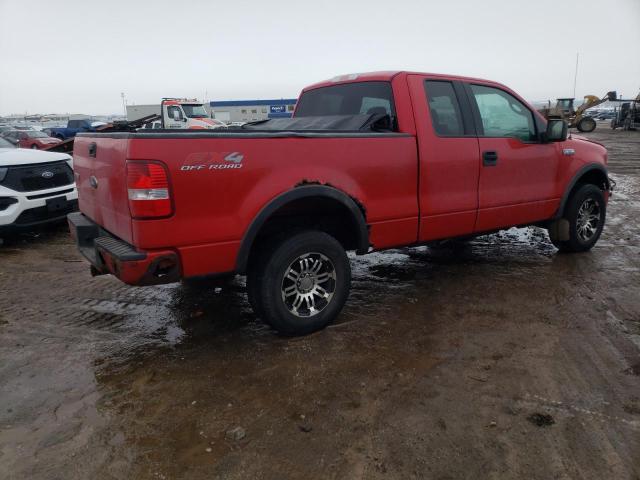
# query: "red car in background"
[31,139]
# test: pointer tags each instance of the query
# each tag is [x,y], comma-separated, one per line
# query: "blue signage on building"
[277,108]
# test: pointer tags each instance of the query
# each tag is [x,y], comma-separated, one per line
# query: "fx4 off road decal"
[212,161]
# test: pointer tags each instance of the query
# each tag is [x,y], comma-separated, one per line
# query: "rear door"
[518,172]
[449,160]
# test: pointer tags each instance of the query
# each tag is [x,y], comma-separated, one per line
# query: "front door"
[518,172]
[174,117]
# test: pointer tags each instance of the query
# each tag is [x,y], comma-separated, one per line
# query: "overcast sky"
[77,56]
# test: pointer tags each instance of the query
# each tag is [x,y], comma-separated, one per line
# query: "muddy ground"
[500,359]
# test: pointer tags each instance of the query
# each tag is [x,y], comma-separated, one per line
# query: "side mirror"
[557,130]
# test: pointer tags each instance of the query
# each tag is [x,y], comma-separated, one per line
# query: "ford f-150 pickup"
[368,162]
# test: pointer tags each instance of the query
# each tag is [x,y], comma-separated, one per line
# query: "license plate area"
[57,204]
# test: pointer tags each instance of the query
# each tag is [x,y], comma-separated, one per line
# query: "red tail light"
[149,192]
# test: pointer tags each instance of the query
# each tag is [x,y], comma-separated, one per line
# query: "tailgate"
[100,169]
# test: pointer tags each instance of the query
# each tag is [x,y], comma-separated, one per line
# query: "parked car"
[606,115]
[35,188]
[368,162]
[73,127]
[31,139]
[155,125]
[4,143]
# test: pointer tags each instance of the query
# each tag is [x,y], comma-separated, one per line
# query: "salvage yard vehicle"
[175,113]
[30,139]
[73,127]
[578,117]
[36,188]
[368,162]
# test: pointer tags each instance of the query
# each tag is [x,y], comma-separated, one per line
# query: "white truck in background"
[176,113]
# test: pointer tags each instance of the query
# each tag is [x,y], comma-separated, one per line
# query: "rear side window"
[444,108]
[347,99]
[503,115]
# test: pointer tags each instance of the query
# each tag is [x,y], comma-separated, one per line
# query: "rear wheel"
[300,284]
[585,212]
[587,124]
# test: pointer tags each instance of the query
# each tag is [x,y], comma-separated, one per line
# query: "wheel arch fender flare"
[593,167]
[297,193]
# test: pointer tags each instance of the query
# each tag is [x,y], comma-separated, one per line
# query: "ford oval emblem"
[47,174]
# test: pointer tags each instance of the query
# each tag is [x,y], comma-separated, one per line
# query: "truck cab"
[185,114]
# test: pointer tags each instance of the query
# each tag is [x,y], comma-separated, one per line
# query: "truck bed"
[221,179]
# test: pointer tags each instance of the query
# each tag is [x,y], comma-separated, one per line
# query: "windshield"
[347,99]
[195,111]
[37,135]
[6,144]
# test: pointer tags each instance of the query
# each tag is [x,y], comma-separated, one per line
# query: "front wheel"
[34,147]
[585,212]
[299,285]
[587,124]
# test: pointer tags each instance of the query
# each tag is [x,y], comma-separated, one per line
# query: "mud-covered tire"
[586,124]
[582,237]
[299,285]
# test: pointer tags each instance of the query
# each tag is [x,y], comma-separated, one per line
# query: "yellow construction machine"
[577,118]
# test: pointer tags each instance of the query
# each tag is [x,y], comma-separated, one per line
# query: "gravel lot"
[497,359]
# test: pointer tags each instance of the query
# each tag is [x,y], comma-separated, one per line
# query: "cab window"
[171,112]
[503,115]
[348,99]
[444,108]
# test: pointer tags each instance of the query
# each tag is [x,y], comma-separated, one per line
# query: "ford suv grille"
[29,178]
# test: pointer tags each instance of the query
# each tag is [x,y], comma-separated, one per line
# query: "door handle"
[489,158]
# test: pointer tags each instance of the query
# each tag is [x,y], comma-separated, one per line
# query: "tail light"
[149,192]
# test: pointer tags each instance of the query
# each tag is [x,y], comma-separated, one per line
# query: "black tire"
[34,147]
[323,277]
[579,241]
[586,124]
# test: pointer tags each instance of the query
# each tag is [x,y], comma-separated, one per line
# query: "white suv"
[36,187]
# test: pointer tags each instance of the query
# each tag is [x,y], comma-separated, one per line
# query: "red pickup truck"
[368,162]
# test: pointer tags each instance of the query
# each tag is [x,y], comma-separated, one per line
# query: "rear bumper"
[110,255]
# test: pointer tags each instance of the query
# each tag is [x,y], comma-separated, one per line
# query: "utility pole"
[124,104]
[575,77]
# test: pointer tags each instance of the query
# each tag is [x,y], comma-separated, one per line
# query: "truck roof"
[387,76]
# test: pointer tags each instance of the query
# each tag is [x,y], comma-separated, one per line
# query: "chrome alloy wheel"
[588,219]
[308,284]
